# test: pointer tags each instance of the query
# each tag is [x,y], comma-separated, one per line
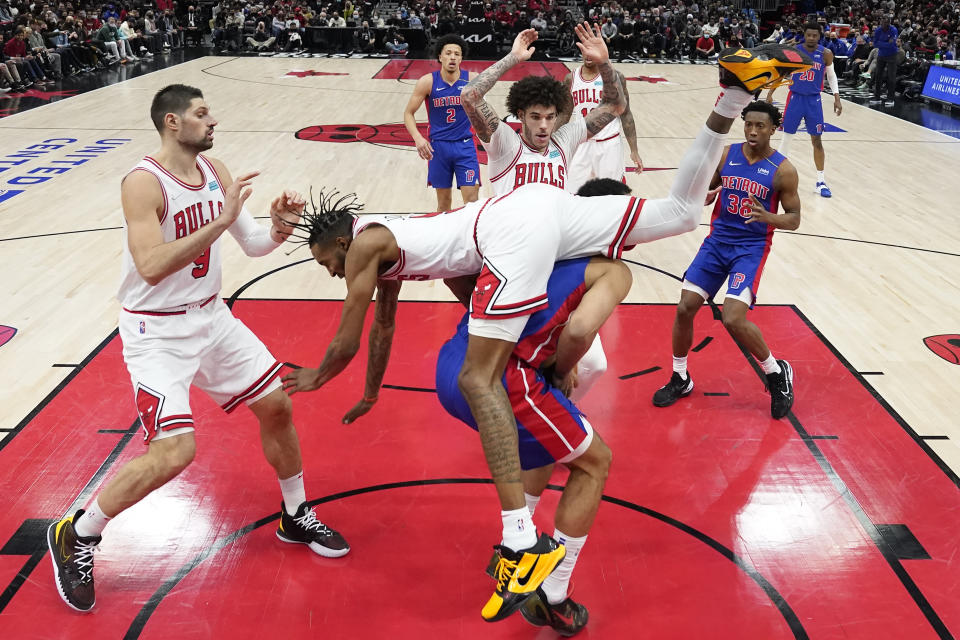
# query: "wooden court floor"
[837,523]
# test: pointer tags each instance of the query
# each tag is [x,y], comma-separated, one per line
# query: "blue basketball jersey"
[810,82]
[739,180]
[448,120]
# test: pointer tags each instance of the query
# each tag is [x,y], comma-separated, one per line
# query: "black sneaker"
[492,565]
[518,575]
[780,386]
[72,558]
[566,618]
[672,391]
[304,528]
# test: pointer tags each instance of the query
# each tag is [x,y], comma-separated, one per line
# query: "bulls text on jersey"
[191,218]
[542,172]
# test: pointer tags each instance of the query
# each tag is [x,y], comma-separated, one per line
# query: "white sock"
[532,502]
[557,583]
[820,177]
[785,143]
[293,492]
[732,102]
[518,530]
[770,364]
[92,522]
[680,366]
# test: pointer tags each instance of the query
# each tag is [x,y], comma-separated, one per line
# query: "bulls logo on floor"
[6,334]
[947,346]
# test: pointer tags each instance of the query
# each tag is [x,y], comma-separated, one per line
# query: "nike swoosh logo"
[735,164]
[766,74]
[522,581]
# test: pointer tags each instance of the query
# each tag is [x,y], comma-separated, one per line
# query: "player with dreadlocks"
[513,241]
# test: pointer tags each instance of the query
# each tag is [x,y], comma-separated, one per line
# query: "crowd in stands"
[44,42]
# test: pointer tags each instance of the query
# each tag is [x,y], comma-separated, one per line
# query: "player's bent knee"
[175,455]
[274,409]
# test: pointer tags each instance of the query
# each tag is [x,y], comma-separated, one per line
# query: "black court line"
[113,430]
[59,233]
[870,373]
[646,266]
[789,616]
[402,388]
[889,554]
[857,240]
[950,473]
[703,344]
[85,494]
[639,373]
[232,299]
[65,366]
[50,396]
[823,437]
[934,437]
[715,393]
[7,429]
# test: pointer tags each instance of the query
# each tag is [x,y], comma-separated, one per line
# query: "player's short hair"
[764,107]
[450,38]
[603,187]
[174,98]
[812,25]
[330,219]
[542,90]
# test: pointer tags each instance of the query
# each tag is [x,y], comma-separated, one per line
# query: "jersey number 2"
[203,265]
[451,115]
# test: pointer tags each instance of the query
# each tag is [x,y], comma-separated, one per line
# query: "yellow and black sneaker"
[493,564]
[762,67]
[304,528]
[567,618]
[518,575]
[72,558]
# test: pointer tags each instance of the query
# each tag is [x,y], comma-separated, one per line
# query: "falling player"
[803,101]
[540,152]
[601,156]
[450,151]
[177,332]
[513,241]
[753,179]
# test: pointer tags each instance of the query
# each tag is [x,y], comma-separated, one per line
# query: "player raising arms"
[541,151]
[177,332]
[450,150]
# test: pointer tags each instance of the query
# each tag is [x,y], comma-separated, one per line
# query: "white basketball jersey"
[513,163]
[442,248]
[186,208]
[587,95]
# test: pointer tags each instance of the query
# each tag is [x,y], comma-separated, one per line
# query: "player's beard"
[202,144]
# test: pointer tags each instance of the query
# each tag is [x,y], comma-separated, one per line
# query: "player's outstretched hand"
[711,196]
[591,43]
[361,408]
[523,44]
[757,212]
[285,212]
[236,194]
[301,380]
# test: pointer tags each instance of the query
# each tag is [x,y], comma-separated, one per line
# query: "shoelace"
[309,522]
[83,559]
[504,570]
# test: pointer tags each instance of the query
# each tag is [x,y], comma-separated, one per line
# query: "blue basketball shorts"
[453,158]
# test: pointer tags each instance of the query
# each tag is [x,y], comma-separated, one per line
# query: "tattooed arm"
[629,126]
[593,47]
[564,117]
[381,340]
[482,116]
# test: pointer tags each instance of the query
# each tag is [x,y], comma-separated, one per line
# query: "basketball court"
[838,521]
